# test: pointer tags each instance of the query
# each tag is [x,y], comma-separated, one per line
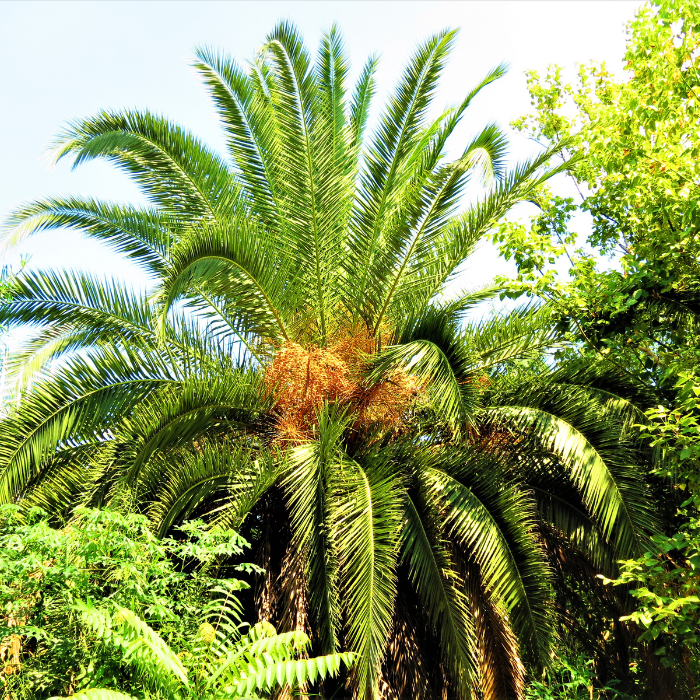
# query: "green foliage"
[676,432]
[634,152]
[112,560]
[633,145]
[571,679]
[257,662]
[665,580]
[666,583]
[68,599]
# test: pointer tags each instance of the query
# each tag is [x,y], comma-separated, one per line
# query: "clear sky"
[63,60]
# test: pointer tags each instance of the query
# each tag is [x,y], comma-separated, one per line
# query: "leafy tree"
[665,580]
[408,476]
[635,145]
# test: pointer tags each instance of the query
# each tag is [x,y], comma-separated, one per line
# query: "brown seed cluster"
[302,380]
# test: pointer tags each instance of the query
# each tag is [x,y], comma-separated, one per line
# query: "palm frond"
[50,297]
[399,131]
[175,170]
[177,415]
[361,101]
[458,237]
[143,235]
[312,233]
[496,526]
[501,670]
[80,404]
[425,361]
[520,334]
[367,522]
[610,488]
[309,483]
[227,479]
[437,583]
[250,131]
[421,220]
[241,256]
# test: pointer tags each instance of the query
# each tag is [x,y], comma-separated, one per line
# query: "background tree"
[635,147]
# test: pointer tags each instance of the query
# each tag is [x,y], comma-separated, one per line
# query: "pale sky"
[64,60]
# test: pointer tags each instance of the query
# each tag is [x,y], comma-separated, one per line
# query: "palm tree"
[299,373]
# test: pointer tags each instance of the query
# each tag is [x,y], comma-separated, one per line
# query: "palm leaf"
[496,528]
[82,401]
[230,479]
[175,170]
[144,235]
[309,481]
[365,531]
[250,130]
[610,489]
[434,577]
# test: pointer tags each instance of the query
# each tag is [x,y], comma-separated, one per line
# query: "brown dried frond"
[303,380]
[405,670]
[265,598]
[385,403]
[292,586]
[493,439]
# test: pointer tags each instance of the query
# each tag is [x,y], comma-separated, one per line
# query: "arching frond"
[176,171]
[522,333]
[174,416]
[496,528]
[143,235]
[309,481]
[236,256]
[610,488]
[366,526]
[79,404]
[228,479]
[79,300]
[437,583]
[424,360]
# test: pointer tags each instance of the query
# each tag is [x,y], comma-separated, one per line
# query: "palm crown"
[298,371]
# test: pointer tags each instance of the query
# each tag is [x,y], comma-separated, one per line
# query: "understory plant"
[100,605]
[572,678]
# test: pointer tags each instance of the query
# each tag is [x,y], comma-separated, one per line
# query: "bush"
[102,603]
